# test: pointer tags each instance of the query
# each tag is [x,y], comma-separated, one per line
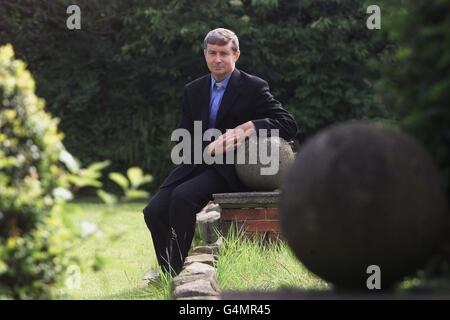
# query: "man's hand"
[231,139]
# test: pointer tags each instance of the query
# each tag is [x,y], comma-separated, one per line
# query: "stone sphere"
[250,173]
[359,195]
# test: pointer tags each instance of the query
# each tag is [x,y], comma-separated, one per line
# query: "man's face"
[220,59]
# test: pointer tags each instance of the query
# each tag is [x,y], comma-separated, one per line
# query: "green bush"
[33,239]
[416,84]
[37,176]
[419,80]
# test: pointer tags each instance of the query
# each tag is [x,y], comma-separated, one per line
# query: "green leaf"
[98,166]
[146,179]
[70,162]
[107,197]
[3,267]
[136,194]
[135,175]
[84,181]
[119,179]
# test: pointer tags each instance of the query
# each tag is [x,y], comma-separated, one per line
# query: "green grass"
[243,264]
[127,256]
[248,265]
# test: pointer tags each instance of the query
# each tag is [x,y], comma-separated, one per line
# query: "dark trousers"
[171,215]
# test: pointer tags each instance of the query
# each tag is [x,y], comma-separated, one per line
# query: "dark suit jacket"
[246,98]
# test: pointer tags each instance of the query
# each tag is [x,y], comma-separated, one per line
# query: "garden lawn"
[126,247]
[248,265]
[127,256]
[243,264]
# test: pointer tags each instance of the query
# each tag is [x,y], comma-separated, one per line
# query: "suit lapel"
[230,94]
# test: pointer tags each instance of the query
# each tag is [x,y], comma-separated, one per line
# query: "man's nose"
[217,59]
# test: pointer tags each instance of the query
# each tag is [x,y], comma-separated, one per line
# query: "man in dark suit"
[226,99]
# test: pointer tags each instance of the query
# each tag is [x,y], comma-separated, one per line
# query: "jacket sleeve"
[184,132]
[186,121]
[270,114]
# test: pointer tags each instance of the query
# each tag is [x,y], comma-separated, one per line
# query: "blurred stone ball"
[359,195]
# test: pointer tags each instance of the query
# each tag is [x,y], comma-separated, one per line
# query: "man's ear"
[204,53]
[237,54]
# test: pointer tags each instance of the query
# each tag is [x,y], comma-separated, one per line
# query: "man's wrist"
[248,127]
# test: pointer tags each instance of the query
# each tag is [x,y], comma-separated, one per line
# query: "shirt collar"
[224,82]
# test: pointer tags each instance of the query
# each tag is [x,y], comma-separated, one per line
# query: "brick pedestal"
[253,213]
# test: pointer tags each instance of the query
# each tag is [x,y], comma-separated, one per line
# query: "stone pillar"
[253,213]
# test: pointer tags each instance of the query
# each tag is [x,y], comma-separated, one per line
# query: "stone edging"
[198,278]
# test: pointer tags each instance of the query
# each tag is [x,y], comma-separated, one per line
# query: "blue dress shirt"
[217,91]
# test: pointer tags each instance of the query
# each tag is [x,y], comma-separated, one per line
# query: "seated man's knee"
[181,195]
[187,199]
[156,208]
[149,214]
[148,210]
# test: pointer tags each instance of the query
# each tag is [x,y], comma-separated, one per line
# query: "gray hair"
[221,37]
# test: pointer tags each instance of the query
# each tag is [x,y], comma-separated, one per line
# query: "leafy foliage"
[418,82]
[33,239]
[416,85]
[37,176]
[129,184]
[116,83]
